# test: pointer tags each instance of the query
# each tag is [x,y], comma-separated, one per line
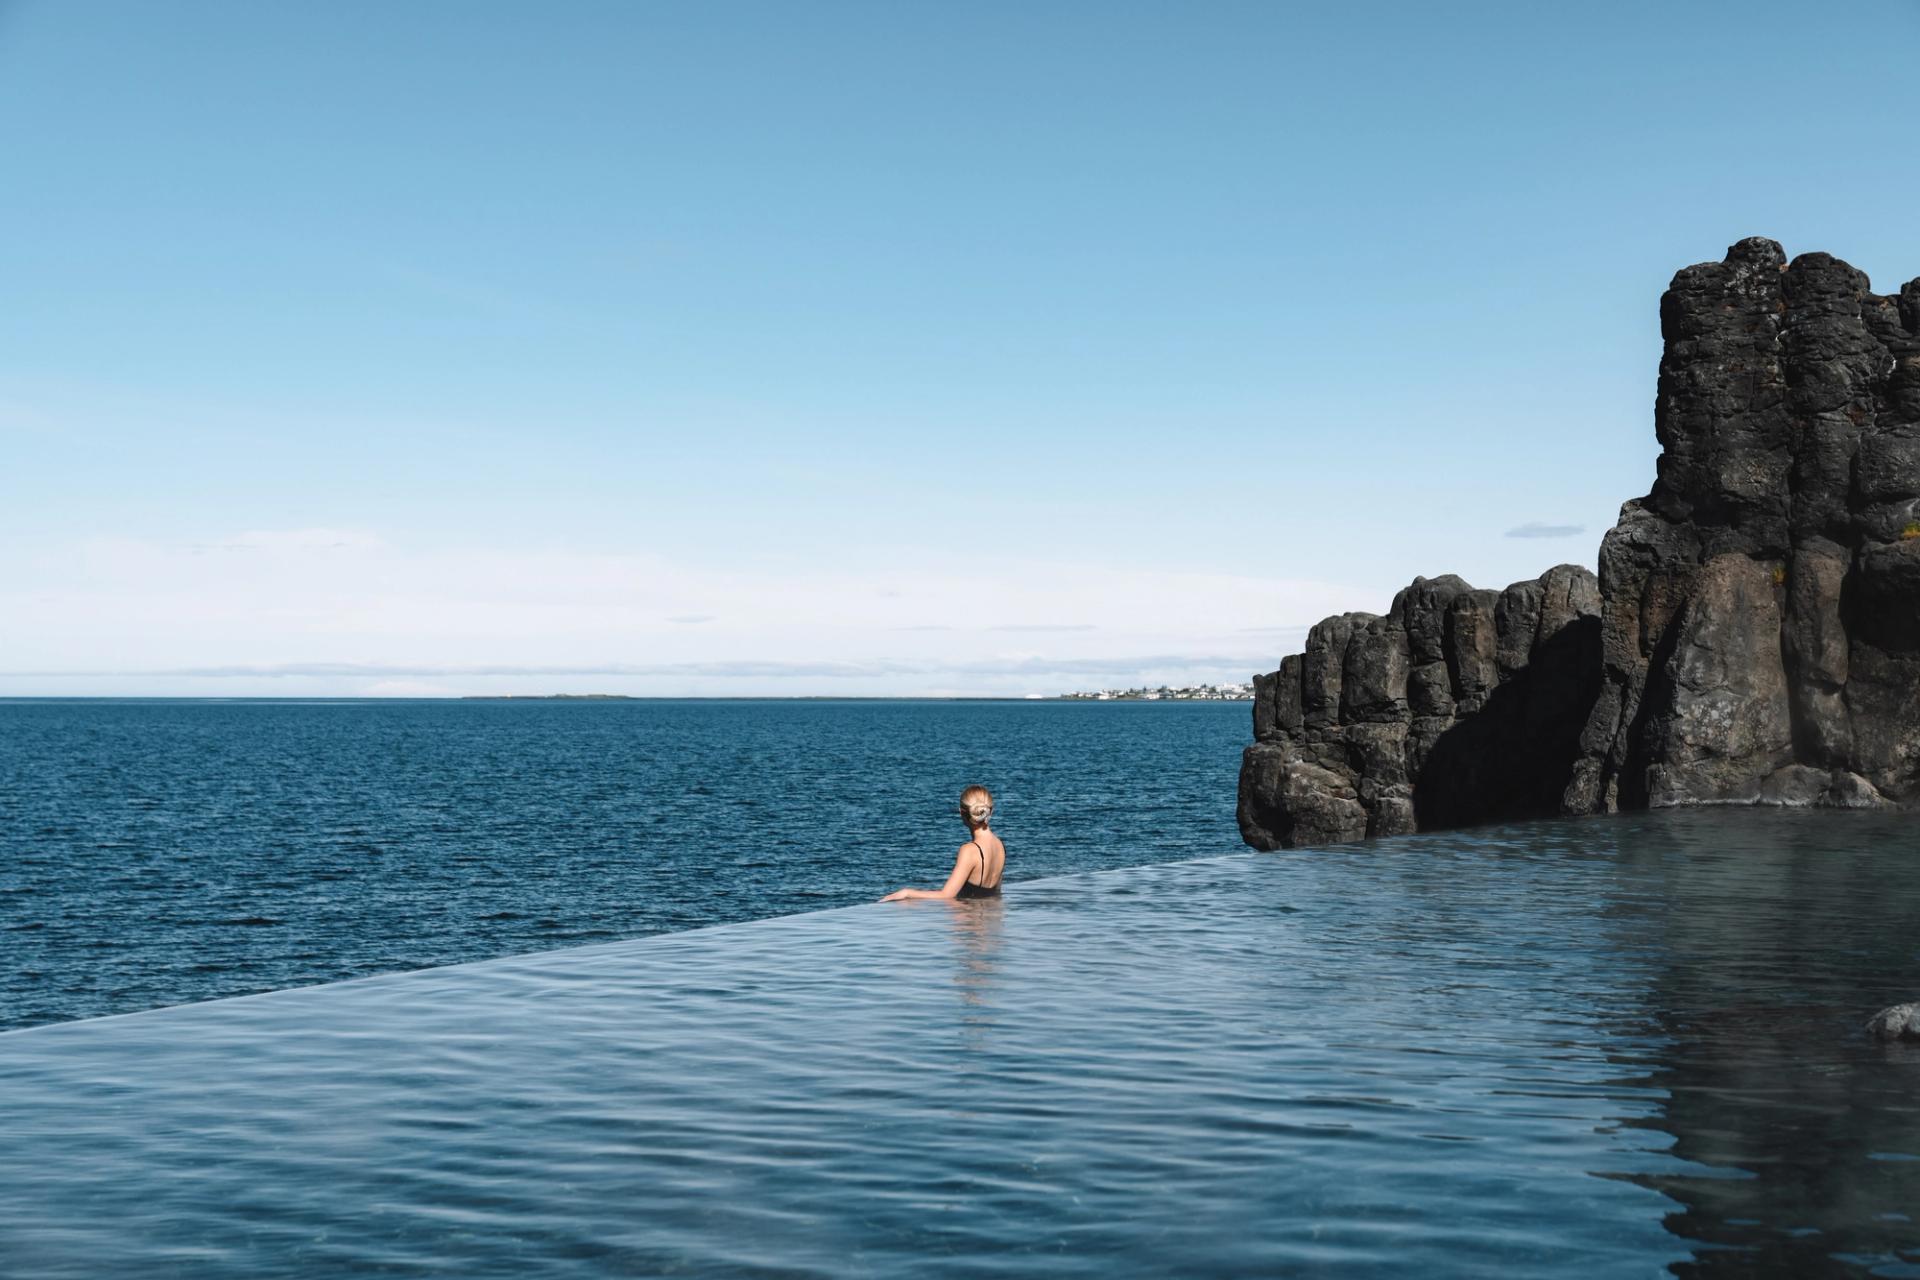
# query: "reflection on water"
[1617,1046]
[1802,1135]
[976,936]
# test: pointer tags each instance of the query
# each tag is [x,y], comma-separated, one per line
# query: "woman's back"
[984,880]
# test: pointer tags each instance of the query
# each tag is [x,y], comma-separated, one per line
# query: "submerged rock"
[1898,1022]
[1753,634]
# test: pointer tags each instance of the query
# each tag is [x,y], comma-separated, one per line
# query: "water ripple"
[1618,1046]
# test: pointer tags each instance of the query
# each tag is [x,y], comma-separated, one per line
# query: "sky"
[856,348]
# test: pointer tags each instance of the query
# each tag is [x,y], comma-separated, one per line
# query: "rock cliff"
[1753,635]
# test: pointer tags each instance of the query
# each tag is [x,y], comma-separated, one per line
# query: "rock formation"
[1762,604]
[1896,1022]
[1753,635]
[1459,706]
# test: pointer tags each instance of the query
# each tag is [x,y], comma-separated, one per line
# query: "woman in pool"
[977,867]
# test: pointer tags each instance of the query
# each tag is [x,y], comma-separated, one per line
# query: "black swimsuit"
[968,889]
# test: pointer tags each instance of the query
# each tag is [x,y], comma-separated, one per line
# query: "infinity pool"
[1619,1046]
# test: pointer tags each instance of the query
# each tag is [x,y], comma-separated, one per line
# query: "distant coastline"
[1162,693]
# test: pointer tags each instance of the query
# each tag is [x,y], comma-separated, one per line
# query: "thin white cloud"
[402,689]
[292,540]
[1044,626]
[341,608]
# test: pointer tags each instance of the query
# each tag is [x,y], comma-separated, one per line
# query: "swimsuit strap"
[982,881]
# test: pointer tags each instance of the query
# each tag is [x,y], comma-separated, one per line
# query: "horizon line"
[596,697]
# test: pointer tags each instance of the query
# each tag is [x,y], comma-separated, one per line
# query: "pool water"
[1618,1046]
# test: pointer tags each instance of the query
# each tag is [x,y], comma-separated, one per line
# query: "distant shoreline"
[816,697]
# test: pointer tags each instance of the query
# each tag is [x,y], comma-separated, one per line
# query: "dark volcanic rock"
[1458,706]
[1762,604]
[1753,635]
[1899,1022]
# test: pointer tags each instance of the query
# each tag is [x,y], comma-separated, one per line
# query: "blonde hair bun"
[969,794]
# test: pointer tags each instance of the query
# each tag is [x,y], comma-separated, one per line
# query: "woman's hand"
[898,895]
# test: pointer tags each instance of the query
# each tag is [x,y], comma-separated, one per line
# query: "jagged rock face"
[1459,706]
[1753,634]
[1762,603]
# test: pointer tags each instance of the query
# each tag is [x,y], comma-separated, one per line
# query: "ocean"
[158,852]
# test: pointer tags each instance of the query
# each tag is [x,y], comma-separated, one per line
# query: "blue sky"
[855,348]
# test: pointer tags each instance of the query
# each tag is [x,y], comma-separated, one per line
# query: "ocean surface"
[157,852]
[1626,1046]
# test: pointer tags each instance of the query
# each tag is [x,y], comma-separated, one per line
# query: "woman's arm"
[962,864]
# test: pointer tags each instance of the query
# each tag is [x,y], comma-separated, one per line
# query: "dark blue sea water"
[155,852]
[1610,1047]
